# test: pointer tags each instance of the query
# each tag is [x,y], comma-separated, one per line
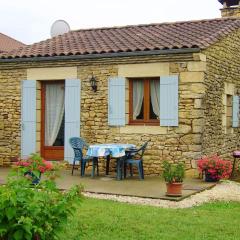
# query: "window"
[144,101]
[229,112]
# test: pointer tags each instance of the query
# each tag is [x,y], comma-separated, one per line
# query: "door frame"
[48,152]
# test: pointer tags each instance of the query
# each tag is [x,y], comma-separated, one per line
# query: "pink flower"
[35,163]
[23,164]
[46,166]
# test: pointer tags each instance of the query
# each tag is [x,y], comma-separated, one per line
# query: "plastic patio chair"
[135,157]
[78,144]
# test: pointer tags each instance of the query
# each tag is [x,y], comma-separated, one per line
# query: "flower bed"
[214,168]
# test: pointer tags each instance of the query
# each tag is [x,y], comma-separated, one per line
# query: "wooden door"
[54,151]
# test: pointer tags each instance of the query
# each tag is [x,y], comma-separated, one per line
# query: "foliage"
[216,167]
[27,210]
[173,172]
[103,219]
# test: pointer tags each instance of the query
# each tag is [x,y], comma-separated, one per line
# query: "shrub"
[27,210]
[173,172]
[215,167]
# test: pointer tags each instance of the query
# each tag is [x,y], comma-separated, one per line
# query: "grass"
[103,220]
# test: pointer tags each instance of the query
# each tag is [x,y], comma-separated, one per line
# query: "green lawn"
[103,220]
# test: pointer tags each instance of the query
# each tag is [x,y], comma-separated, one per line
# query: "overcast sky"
[30,20]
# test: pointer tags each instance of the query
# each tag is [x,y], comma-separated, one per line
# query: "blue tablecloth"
[114,149]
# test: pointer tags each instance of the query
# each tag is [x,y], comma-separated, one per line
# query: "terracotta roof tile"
[191,34]
[7,43]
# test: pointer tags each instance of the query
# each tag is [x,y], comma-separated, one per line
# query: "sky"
[30,21]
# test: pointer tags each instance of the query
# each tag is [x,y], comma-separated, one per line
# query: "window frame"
[146,101]
[229,112]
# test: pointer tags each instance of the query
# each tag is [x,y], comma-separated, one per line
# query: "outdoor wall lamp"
[93,83]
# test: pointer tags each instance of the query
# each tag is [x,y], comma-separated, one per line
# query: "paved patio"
[151,187]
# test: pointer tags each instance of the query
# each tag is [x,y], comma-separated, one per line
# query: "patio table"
[116,150]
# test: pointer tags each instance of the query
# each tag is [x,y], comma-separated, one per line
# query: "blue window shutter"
[169,100]
[28,117]
[72,115]
[235,111]
[116,101]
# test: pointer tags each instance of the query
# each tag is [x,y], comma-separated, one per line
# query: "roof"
[138,38]
[7,43]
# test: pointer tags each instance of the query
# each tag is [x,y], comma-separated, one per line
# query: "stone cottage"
[175,84]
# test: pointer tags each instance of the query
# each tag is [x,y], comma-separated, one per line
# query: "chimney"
[231,8]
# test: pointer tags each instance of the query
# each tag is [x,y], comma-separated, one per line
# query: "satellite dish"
[59,27]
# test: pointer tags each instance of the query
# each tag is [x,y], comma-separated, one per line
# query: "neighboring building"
[230,8]
[7,43]
[175,84]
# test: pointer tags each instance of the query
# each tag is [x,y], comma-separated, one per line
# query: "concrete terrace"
[151,187]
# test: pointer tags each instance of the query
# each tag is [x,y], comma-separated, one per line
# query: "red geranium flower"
[215,166]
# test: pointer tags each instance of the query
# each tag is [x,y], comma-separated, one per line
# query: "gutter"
[102,55]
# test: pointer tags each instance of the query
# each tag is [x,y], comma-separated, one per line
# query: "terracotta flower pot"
[208,177]
[174,189]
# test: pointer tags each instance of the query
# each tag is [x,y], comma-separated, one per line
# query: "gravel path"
[224,191]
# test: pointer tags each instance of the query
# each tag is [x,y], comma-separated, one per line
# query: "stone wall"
[10,100]
[223,77]
[181,143]
[231,12]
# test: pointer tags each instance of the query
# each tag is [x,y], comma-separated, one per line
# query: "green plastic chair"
[135,157]
[78,144]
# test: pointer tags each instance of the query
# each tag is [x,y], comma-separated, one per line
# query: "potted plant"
[34,166]
[213,168]
[173,174]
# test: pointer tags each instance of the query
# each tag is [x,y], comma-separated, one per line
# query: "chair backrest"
[138,152]
[78,144]
[143,148]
